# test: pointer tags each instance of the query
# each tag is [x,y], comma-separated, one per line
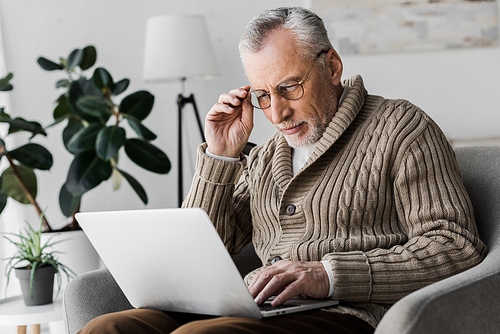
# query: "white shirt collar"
[300,155]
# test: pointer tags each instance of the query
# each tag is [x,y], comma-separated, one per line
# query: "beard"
[316,125]
[316,128]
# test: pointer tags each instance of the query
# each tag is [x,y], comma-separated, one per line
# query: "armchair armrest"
[464,303]
[91,295]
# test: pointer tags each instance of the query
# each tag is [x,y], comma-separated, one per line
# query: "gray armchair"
[465,303]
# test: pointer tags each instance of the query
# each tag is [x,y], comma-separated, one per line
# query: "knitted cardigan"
[381,198]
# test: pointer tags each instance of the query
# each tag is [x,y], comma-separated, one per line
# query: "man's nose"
[280,109]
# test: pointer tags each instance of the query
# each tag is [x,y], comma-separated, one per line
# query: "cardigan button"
[276,259]
[290,209]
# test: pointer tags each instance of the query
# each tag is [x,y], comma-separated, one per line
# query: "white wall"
[458,88]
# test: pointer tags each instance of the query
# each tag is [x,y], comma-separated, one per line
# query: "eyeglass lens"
[289,90]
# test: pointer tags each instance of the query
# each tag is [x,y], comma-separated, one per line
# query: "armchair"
[464,303]
[467,302]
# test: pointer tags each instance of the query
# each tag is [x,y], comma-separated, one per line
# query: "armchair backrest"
[480,168]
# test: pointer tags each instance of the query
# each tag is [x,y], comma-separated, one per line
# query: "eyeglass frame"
[299,83]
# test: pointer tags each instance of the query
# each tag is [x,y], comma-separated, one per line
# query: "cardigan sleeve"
[434,210]
[219,187]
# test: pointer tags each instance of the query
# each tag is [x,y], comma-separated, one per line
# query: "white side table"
[13,312]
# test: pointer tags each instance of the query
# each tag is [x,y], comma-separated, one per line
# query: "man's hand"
[229,123]
[288,279]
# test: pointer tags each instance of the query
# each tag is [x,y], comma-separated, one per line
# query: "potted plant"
[35,266]
[18,181]
[94,133]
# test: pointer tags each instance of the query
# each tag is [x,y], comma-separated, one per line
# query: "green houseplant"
[35,266]
[18,181]
[94,133]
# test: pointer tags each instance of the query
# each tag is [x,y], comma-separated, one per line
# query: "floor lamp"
[177,48]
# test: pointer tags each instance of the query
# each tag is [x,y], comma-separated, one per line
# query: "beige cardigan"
[381,198]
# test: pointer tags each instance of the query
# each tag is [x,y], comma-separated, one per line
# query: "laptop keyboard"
[269,307]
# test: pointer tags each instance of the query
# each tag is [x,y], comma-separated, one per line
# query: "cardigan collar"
[346,113]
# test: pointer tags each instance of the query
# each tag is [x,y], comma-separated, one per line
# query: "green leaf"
[63,83]
[94,105]
[102,78]
[62,110]
[138,104]
[84,139]
[78,89]
[6,79]
[75,58]
[139,190]
[109,141]
[20,124]
[6,88]
[89,57]
[140,129]
[48,65]
[68,202]
[121,86]
[70,130]
[33,155]
[147,156]
[86,172]
[4,83]
[3,199]
[13,189]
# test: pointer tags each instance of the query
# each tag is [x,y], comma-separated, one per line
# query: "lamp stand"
[181,102]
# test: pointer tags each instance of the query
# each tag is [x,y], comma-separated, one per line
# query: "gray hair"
[308,28]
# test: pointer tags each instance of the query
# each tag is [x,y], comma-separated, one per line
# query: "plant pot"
[43,285]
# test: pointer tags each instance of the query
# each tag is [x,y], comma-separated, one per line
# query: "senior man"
[355,197]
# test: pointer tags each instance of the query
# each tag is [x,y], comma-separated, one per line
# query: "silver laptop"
[174,260]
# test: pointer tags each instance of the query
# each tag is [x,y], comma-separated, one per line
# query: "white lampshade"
[177,47]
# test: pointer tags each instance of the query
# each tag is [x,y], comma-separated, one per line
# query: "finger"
[266,271]
[290,291]
[247,115]
[270,271]
[229,99]
[278,283]
[221,107]
[259,282]
[235,96]
[252,282]
[242,92]
[219,111]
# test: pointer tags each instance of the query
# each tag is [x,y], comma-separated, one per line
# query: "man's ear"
[335,67]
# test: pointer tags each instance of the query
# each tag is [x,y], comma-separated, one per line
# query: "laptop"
[174,260]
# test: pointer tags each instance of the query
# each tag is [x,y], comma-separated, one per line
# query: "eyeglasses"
[290,90]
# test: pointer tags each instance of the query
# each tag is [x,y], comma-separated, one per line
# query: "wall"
[458,88]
